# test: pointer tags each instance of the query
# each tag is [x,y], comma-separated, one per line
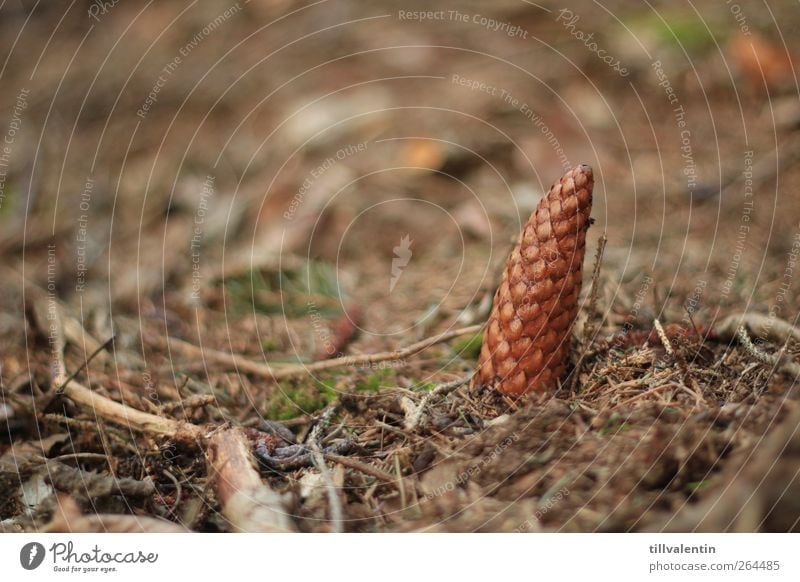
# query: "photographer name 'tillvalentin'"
[682,549]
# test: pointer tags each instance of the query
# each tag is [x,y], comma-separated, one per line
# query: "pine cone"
[527,337]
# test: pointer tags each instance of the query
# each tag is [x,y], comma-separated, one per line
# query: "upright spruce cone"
[527,337]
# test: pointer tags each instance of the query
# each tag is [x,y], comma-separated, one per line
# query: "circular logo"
[31,555]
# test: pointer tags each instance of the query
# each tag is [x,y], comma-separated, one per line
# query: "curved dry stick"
[248,504]
[774,329]
[68,518]
[130,417]
[247,366]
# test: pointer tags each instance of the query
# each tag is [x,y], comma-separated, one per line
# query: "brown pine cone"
[527,337]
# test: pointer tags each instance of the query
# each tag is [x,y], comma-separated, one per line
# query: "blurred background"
[169,150]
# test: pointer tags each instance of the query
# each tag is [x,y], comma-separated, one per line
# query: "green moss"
[291,400]
[244,293]
[269,344]
[425,386]
[697,485]
[678,29]
[372,383]
[470,347]
[7,202]
[286,291]
[614,425]
[375,380]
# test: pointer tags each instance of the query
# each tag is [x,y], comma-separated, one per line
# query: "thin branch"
[319,462]
[108,342]
[247,366]
[68,518]
[129,417]
[362,467]
[595,291]
[778,362]
[247,503]
[92,485]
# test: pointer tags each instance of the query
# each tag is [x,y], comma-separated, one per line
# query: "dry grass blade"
[590,326]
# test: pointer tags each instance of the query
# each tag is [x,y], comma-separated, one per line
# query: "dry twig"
[93,486]
[589,327]
[365,468]
[439,392]
[68,518]
[771,328]
[778,362]
[244,365]
[247,503]
[130,417]
[319,462]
